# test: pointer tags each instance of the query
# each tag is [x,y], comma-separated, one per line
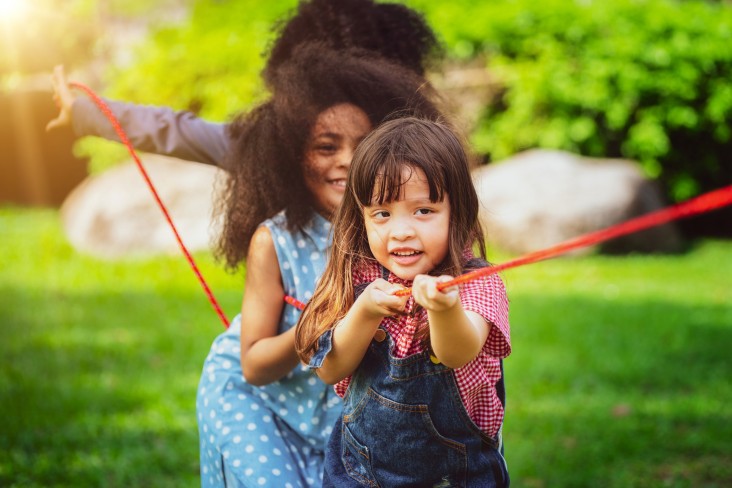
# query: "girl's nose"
[402,230]
[346,157]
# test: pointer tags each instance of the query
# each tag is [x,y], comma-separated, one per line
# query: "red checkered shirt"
[476,380]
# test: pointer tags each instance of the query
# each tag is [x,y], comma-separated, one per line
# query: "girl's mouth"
[339,183]
[406,257]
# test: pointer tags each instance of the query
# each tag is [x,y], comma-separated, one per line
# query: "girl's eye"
[423,211]
[326,148]
[381,214]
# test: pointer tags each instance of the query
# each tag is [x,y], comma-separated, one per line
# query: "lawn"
[620,374]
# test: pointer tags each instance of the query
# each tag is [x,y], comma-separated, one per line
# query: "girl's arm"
[265,355]
[456,335]
[158,130]
[353,334]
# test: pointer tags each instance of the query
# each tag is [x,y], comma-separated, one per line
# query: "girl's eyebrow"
[331,135]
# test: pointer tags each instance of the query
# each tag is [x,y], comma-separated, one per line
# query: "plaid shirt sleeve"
[365,272]
[486,296]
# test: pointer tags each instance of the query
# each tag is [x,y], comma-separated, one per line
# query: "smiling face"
[335,135]
[410,235]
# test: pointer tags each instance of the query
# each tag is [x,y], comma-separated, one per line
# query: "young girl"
[264,419]
[418,374]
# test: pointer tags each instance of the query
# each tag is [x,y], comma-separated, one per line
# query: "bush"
[640,79]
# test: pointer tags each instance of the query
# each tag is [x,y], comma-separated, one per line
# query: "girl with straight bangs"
[418,373]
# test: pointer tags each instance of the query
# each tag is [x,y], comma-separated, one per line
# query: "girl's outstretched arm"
[265,355]
[353,334]
[456,335]
[159,130]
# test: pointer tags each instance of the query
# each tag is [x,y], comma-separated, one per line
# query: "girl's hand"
[425,292]
[63,97]
[378,299]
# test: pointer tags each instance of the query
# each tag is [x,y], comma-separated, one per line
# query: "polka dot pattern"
[272,435]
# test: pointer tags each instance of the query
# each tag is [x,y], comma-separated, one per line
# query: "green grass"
[620,374]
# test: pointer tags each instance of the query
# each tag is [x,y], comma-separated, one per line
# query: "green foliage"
[640,79]
[209,63]
[619,374]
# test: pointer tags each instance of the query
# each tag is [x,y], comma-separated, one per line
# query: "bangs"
[383,179]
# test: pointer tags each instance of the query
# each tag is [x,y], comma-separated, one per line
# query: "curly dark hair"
[268,143]
[391,30]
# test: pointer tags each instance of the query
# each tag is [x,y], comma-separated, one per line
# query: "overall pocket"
[356,459]
[402,445]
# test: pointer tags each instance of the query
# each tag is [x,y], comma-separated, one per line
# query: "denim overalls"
[404,424]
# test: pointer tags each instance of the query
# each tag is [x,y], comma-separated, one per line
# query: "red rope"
[701,204]
[123,138]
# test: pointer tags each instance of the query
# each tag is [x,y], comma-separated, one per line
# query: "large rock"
[114,214]
[540,198]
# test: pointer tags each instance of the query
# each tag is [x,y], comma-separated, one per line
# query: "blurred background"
[620,371]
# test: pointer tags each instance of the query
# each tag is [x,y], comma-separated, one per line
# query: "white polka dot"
[315,256]
[300,243]
[219,424]
[212,414]
[251,426]
[294,253]
[255,406]
[226,364]
[276,472]
[286,265]
[249,471]
[263,438]
[288,467]
[303,427]
[300,409]
[283,412]
[226,431]
[315,420]
[205,429]
[236,463]
[308,295]
[249,449]
[211,377]
[267,419]
[237,439]
[210,369]
[277,452]
[281,240]
[226,454]
[282,397]
[262,480]
[304,269]
[262,459]
[312,382]
[297,280]
[227,407]
[239,417]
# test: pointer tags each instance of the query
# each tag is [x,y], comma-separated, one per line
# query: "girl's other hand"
[425,292]
[379,301]
[63,97]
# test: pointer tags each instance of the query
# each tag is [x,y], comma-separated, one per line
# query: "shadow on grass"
[99,389]
[611,393]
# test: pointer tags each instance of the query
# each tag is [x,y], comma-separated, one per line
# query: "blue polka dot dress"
[271,435]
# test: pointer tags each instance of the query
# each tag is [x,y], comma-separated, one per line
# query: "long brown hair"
[376,176]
